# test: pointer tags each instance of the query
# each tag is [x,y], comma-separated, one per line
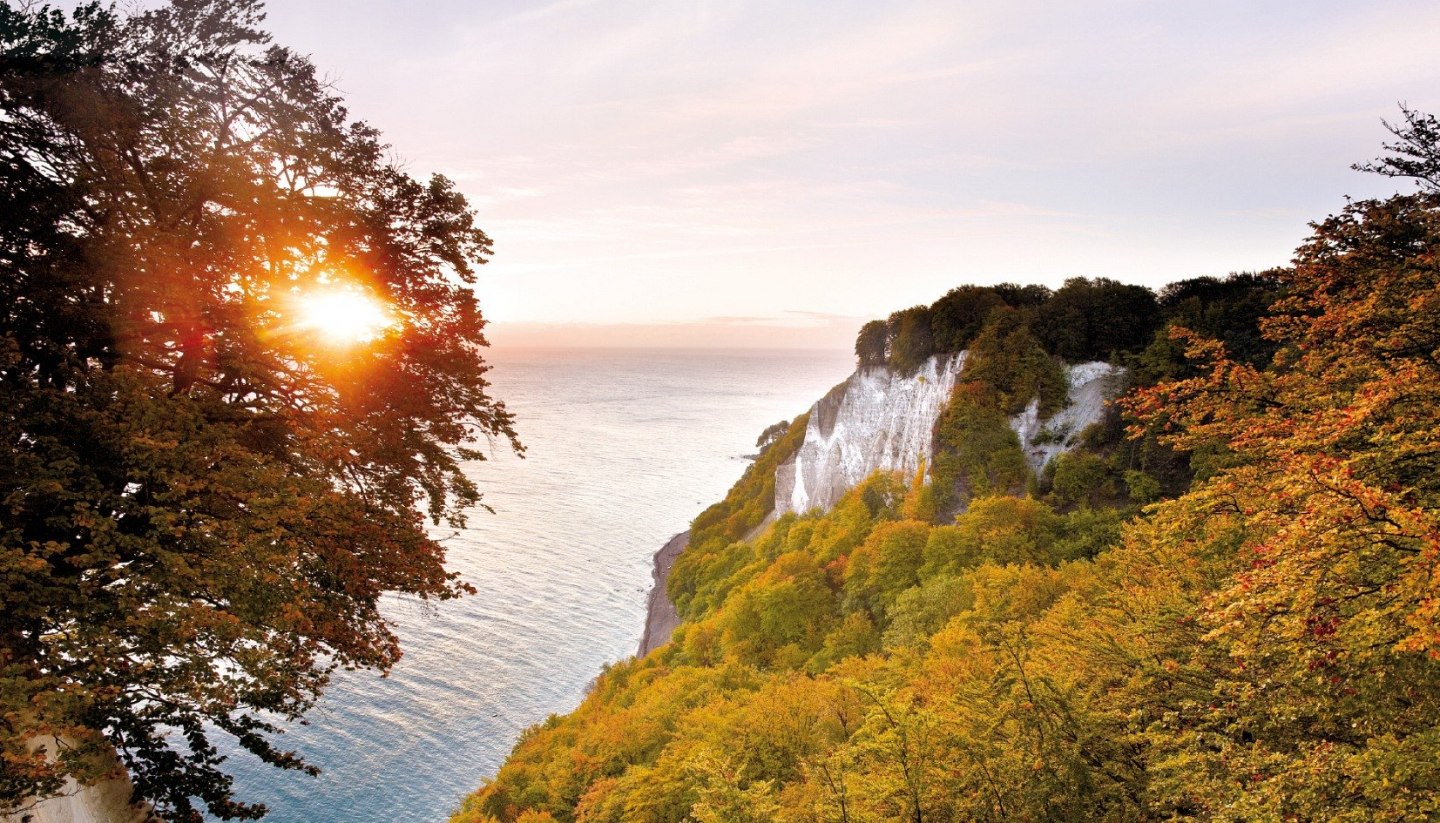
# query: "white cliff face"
[875,420]
[881,420]
[1092,385]
[105,802]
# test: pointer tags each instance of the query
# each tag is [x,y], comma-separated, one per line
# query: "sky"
[725,172]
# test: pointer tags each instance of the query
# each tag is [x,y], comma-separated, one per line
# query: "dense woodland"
[1222,605]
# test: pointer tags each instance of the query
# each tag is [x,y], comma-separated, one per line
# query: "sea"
[623,448]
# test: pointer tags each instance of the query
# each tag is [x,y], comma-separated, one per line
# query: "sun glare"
[343,316]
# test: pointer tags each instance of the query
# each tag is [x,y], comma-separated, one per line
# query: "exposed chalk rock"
[878,419]
[105,802]
[1092,385]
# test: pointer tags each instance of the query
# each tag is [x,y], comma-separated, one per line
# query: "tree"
[1226,309]
[1017,296]
[201,498]
[772,434]
[957,317]
[1007,358]
[1417,152]
[871,344]
[1328,621]
[1091,319]
[908,337]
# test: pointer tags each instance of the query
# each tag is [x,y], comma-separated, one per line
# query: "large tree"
[202,494]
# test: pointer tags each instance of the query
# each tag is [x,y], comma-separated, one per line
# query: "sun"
[343,316]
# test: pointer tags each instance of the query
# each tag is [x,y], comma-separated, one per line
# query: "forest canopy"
[203,491]
[1085,319]
[1222,606]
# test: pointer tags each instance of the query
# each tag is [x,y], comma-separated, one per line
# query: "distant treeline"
[1085,319]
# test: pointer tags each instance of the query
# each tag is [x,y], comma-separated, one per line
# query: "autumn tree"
[202,494]
[1329,619]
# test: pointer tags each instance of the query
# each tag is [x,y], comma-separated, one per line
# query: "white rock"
[877,419]
[1092,385]
[105,802]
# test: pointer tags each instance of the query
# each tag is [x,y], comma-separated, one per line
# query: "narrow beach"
[660,615]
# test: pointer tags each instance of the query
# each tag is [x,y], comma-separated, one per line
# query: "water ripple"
[625,448]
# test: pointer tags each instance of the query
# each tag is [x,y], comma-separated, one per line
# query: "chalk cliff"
[105,802]
[1092,385]
[878,419]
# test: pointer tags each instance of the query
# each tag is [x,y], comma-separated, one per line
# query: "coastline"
[660,615]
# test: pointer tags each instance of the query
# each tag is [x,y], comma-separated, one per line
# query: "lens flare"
[343,316]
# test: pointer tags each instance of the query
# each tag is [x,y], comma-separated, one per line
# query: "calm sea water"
[625,448]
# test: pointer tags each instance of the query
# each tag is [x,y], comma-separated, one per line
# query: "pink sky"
[832,333]
[737,173]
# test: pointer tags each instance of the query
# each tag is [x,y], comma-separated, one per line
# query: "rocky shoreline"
[660,615]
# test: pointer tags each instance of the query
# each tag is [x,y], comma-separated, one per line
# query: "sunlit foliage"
[1262,642]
